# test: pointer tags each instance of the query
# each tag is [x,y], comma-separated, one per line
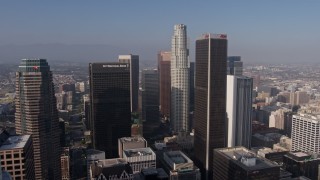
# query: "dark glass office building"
[238,163]
[110,105]
[210,99]
[150,104]
[37,115]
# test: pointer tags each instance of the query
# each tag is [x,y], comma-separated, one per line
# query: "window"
[16,155]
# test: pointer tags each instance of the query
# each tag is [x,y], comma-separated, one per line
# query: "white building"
[140,158]
[305,133]
[239,110]
[180,80]
[277,118]
[125,143]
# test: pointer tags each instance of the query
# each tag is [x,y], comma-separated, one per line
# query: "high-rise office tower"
[164,60]
[179,80]
[234,65]
[239,110]
[110,105]
[133,60]
[150,86]
[305,133]
[210,99]
[37,115]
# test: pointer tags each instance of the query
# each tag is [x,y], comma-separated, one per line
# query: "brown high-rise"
[164,60]
[210,99]
[36,115]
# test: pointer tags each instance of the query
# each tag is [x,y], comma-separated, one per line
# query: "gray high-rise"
[179,79]
[239,110]
[36,115]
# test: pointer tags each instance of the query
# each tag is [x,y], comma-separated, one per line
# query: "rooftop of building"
[15,142]
[138,152]
[159,172]
[299,154]
[177,157]
[94,151]
[110,167]
[132,139]
[110,162]
[303,156]
[212,36]
[308,116]
[266,150]
[246,159]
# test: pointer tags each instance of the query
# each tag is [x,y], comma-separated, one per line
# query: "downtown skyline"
[268,31]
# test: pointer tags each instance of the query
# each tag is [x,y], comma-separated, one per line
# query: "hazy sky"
[70,30]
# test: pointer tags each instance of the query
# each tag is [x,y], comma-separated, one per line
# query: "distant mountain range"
[82,53]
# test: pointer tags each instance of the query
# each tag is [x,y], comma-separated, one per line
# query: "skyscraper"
[110,105]
[210,99]
[133,60]
[150,86]
[36,115]
[179,80]
[234,65]
[239,110]
[164,60]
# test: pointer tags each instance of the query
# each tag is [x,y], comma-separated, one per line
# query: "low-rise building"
[179,166]
[152,174]
[130,143]
[93,156]
[111,169]
[140,158]
[240,163]
[302,164]
[16,154]
[273,155]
